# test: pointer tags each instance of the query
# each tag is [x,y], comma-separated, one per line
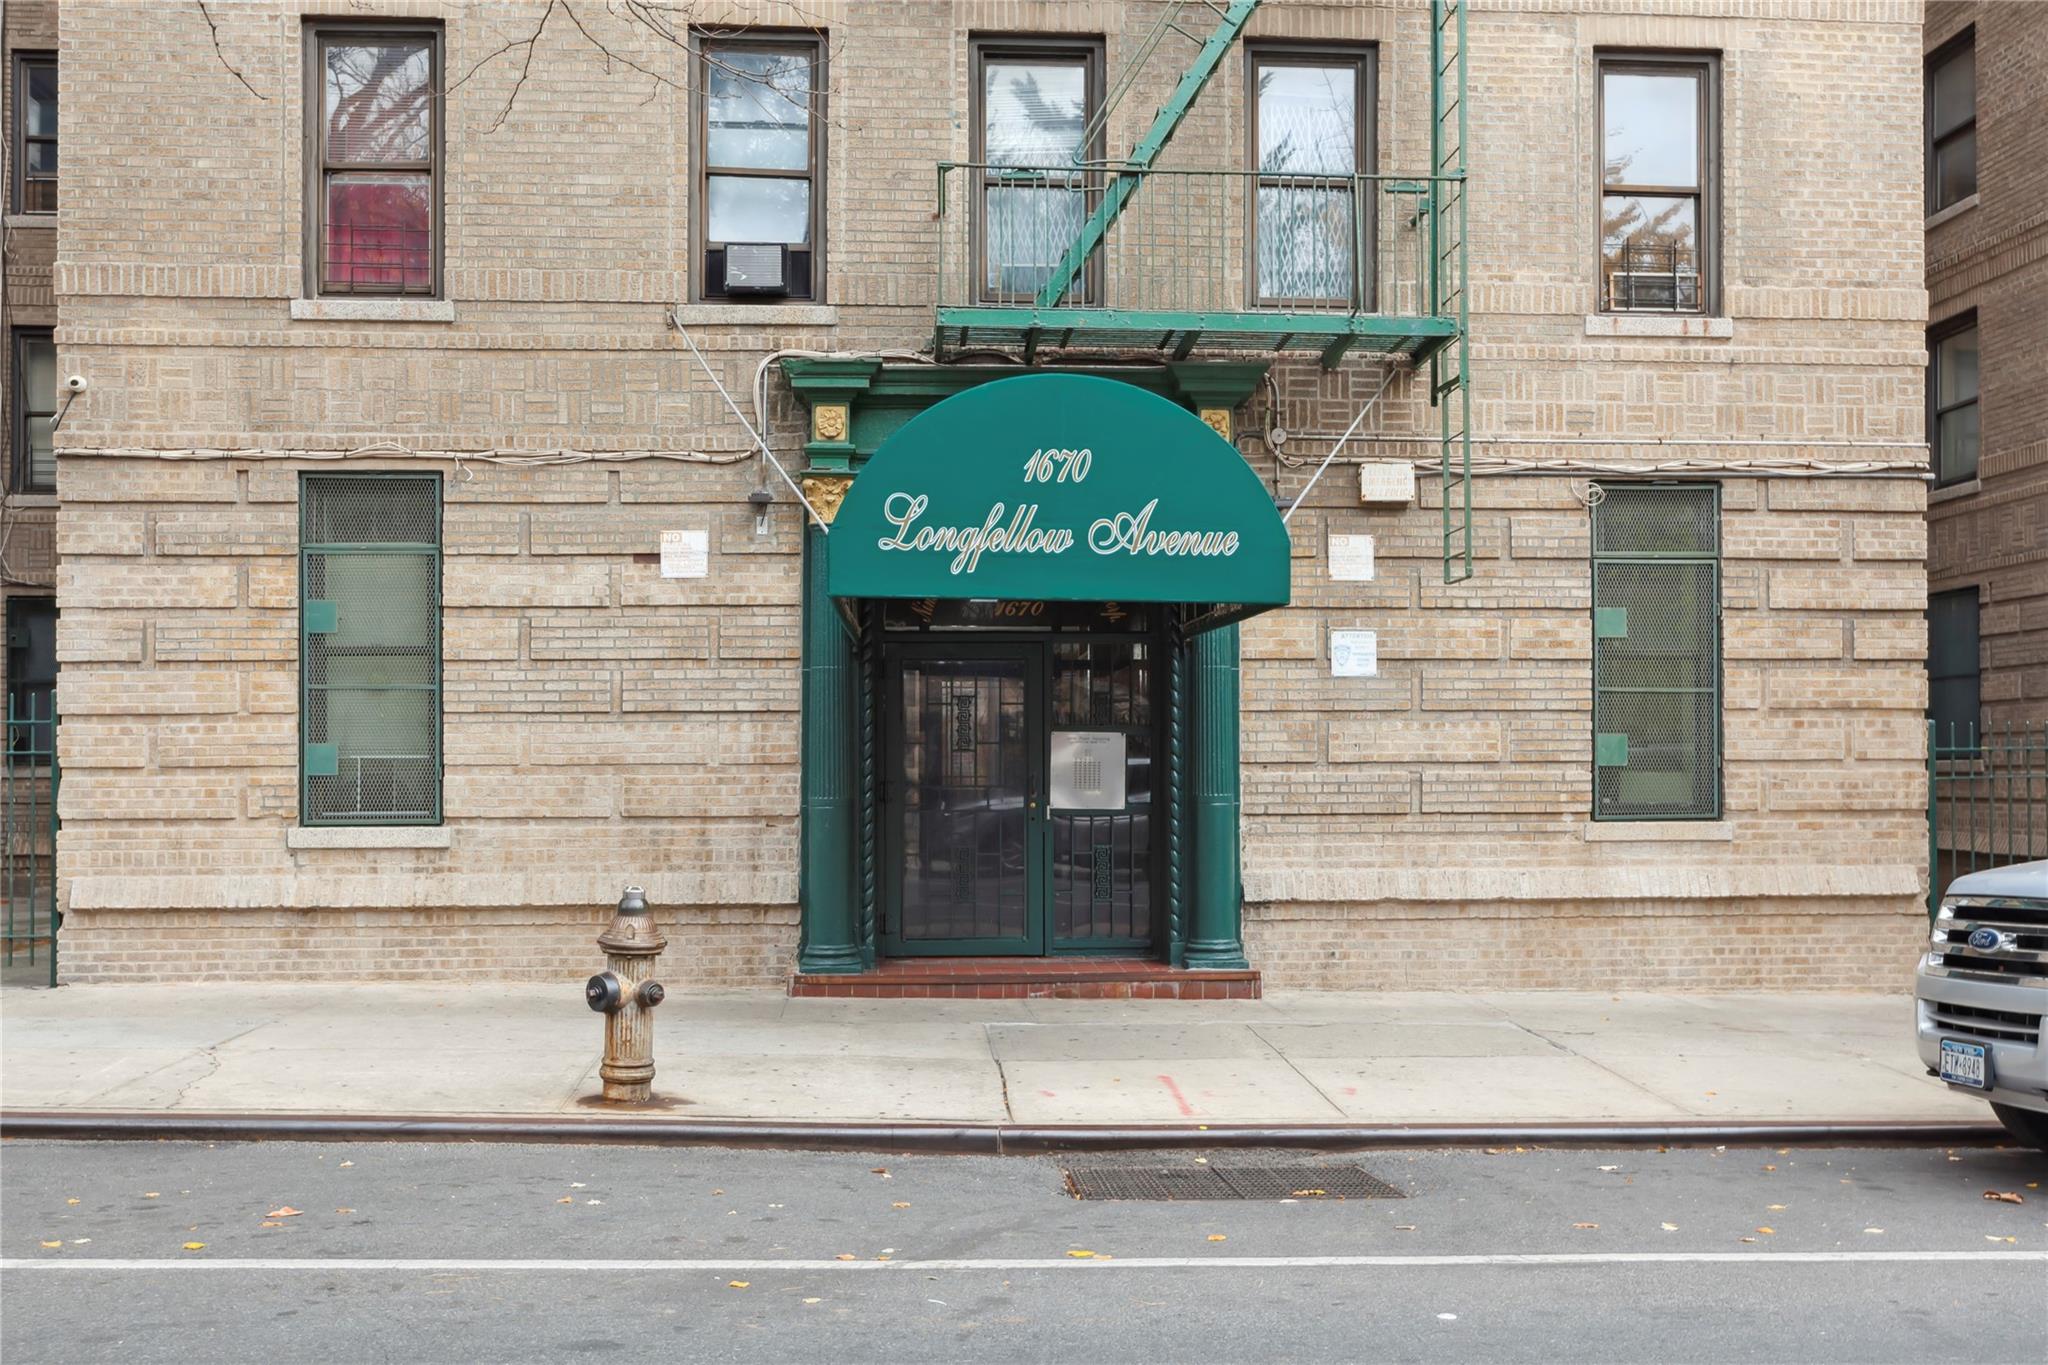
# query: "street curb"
[969,1139]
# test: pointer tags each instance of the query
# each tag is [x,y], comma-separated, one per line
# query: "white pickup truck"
[1983,989]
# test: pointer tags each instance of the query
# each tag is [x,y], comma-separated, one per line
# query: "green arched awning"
[1060,487]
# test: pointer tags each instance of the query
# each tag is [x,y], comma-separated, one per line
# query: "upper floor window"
[1657,209]
[34,468]
[1034,104]
[759,202]
[35,133]
[1952,400]
[1952,121]
[373,182]
[1311,139]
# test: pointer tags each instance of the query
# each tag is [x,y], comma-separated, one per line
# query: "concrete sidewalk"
[1292,1058]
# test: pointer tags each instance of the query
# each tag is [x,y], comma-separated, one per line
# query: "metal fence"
[1192,241]
[1987,800]
[28,825]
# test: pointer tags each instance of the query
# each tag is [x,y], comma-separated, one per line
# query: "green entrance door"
[1007,829]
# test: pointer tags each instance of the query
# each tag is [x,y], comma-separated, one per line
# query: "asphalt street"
[452,1252]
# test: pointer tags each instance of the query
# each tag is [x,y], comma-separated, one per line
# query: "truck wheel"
[2027,1125]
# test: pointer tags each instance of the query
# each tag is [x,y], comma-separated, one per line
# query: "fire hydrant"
[626,995]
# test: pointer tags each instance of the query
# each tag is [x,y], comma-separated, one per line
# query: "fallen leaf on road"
[1203,1161]
[1989,1238]
[738,1284]
[1588,1227]
[577,1185]
[1218,1237]
[714,1191]
[74,1201]
[899,1206]
[1310,1194]
[846,1256]
[151,1195]
[287,1211]
[1784,1151]
[1082,1255]
[270,1223]
[883,1257]
[346,1164]
[1776,1208]
[813,1300]
[1770,1168]
[344,1210]
[54,1245]
[2005,1197]
[195,1246]
[1669,1227]
[1404,1227]
[1610,1168]
[1768,1232]
[566,1199]
[1748,1239]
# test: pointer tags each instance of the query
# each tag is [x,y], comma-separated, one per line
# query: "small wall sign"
[685,554]
[1354,654]
[1087,770]
[1350,558]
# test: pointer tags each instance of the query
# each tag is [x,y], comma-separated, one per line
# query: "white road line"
[333,1264]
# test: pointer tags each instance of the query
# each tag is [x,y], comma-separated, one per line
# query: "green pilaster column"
[1216,933]
[828,882]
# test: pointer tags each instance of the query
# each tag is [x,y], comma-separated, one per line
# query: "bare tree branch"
[231,68]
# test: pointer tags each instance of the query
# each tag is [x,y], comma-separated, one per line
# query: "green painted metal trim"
[1164,123]
[1325,325]
[323,760]
[1610,751]
[1610,623]
[827,874]
[321,617]
[1216,936]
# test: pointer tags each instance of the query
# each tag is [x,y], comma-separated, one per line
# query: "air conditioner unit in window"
[756,268]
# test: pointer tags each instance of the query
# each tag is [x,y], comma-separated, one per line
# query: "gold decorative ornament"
[826,491]
[1219,419]
[828,422]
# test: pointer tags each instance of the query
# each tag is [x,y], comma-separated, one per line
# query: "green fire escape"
[1126,255]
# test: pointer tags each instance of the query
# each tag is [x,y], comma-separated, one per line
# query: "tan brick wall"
[606,725]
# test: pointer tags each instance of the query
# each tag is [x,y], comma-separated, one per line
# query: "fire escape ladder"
[1127,177]
[1449,366]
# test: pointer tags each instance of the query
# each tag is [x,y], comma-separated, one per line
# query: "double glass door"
[1017,806]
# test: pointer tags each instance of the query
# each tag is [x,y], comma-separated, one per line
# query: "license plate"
[1965,1064]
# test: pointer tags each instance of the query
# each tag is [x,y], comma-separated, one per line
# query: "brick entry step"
[996,978]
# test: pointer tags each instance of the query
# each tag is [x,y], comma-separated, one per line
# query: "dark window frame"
[20,470]
[1716,559]
[31,698]
[756,40]
[437,650]
[1705,68]
[17,190]
[1364,57]
[1088,51]
[1975,673]
[318,34]
[1943,331]
[1937,139]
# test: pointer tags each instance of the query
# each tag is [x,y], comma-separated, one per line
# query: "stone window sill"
[1955,210]
[757,315]
[1950,492]
[370,836]
[1657,325]
[32,220]
[373,310]
[1659,831]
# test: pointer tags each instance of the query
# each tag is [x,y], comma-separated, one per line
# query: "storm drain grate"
[1228,1182]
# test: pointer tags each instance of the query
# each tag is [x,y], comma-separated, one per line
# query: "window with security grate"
[370,649]
[1657,653]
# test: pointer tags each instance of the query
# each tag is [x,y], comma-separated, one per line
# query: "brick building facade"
[1987,515]
[1433,822]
